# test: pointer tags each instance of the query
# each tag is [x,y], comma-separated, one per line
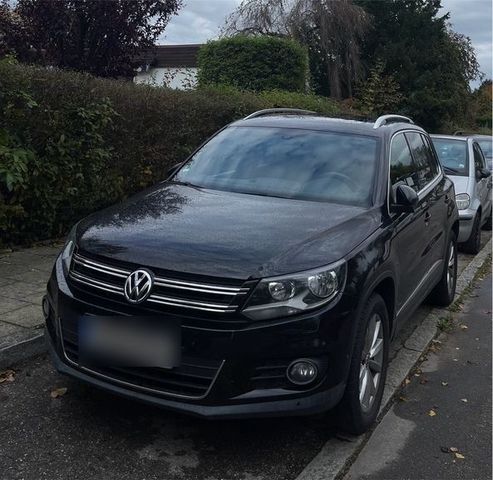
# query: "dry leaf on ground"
[58,392]
[7,376]
[459,455]
[432,413]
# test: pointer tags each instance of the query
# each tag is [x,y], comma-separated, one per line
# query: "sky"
[201,20]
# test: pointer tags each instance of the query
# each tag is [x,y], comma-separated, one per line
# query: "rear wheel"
[444,292]
[473,243]
[488,225]
[360,404]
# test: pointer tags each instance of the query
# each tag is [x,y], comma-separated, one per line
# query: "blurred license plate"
[129,342]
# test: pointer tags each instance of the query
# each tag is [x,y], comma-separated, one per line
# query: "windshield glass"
[453,155]
[288,163]
[486,146]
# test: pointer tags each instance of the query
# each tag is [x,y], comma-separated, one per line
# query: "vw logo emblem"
[138,286]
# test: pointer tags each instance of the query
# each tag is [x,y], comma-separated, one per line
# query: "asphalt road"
[453,442]
[88,434]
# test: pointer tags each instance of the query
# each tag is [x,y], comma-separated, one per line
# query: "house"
[174,66]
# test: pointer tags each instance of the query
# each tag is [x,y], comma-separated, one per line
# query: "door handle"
[447,199]
[427,217]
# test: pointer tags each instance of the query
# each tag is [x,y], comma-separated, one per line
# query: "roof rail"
[273,111]
[384,119]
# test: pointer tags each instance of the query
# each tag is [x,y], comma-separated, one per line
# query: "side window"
[423,157]
[478,158]
[402,168]
[432,157]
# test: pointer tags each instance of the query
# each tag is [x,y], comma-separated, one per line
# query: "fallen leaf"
[407,381]
[423,381]
[432,413]
[58,392]
[403,399]
[459,455]
[463,400]
[7,376]
[444,384]
[453,449]
[445,449]
[464,327]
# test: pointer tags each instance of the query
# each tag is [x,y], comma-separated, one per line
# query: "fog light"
[302,372]
[46,308]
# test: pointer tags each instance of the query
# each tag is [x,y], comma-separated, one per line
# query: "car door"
[432,200]
[408,240]
[483,185]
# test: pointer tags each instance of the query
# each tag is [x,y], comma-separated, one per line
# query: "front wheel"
[444,292]
[360,404]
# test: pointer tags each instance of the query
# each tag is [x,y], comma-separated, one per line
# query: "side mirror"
[406,199]
[483,173]
[174,169]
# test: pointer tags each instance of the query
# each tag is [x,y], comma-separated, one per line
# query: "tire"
[488,225]
[444,292]
[473,243]
[357,412]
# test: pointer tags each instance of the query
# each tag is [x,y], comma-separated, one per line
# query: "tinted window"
[402,169]
[478,158]
[423,158]
[289,163]
[453,156]
[486,147]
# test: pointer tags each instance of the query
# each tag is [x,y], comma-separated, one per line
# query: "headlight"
[68,250]
[292,294]
[463,201]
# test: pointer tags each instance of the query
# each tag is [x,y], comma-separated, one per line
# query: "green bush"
[71,143]
[254,63]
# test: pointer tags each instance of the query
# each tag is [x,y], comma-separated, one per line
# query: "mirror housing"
[483,173]
[174,169]
[406,199]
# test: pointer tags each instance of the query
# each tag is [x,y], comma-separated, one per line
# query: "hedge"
[254,63]
[71,143]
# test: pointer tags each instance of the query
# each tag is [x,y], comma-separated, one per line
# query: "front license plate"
[129,342]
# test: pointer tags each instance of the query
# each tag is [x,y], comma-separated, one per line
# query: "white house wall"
[177,78]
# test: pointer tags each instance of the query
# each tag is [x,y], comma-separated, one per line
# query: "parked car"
[463,161]
[266,276]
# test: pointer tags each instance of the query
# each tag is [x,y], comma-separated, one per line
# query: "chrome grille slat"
[207,297]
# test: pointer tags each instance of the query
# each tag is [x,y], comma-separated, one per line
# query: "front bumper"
[235,391]
[466,223]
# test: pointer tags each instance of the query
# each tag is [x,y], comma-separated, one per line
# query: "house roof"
[171,56]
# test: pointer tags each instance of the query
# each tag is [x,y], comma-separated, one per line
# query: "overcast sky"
[200,20]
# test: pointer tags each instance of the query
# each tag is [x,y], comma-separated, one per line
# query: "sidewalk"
[23,278]
[441,427]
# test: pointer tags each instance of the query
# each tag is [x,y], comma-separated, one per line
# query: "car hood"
[461,183]
[230,235]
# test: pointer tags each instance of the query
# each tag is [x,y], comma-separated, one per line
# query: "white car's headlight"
[292,294]
[463,201]
[68,250]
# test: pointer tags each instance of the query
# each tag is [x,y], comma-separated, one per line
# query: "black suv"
[266,276]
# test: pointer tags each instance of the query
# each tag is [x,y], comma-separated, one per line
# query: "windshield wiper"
[185,184]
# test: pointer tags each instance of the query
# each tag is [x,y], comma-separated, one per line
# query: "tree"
[100,37]
[13,33]
[379,94]
[432,64]
[331,30]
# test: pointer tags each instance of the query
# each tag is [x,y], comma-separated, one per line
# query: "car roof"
[453,137]
[320,123]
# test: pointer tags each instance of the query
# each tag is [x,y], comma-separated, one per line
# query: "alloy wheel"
[451,267]
[371,363]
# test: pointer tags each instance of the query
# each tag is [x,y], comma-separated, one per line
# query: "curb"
[338,453]
[30,346]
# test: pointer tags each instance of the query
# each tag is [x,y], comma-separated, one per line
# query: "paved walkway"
[23,277]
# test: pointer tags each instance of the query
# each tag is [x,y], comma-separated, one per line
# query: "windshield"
[486,146]
[288,163]
[453,156]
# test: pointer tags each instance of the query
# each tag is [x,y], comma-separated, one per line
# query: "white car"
[463,161]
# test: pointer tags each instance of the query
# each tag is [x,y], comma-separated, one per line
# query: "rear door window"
[424,159]
[402,167]
[479,163]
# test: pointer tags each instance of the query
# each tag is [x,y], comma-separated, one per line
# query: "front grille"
[169,292]
[192,379]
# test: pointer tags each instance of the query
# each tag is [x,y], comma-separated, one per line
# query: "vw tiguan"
[266,276]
